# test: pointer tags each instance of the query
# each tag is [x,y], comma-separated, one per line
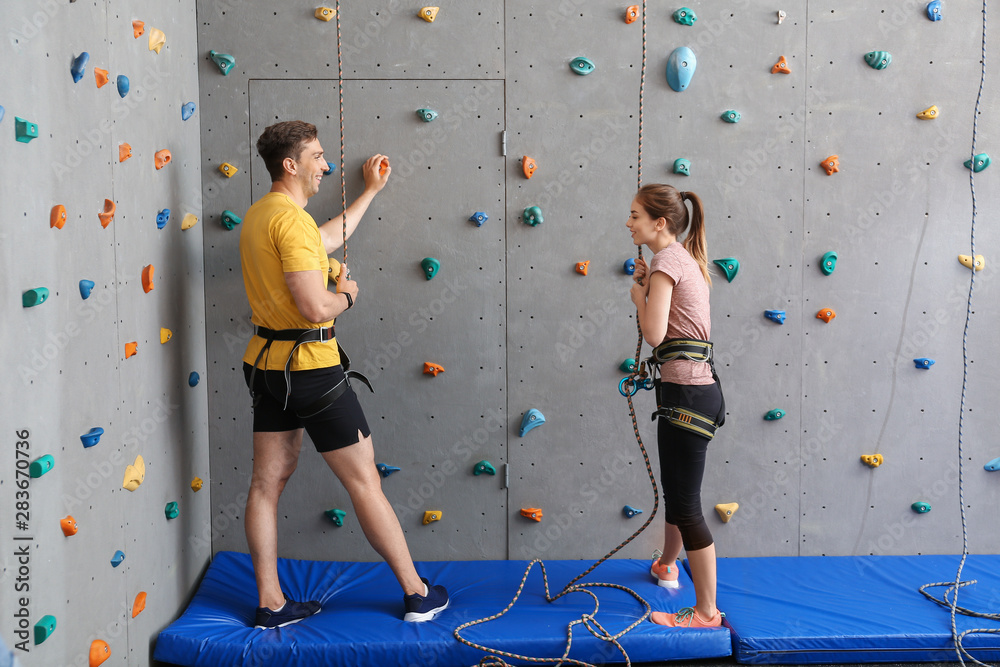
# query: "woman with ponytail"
[671,298]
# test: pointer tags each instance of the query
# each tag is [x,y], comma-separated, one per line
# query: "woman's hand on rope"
[640,288]
[375,175]
[640,270]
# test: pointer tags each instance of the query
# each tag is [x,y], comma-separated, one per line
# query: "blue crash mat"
[810,610]
[361,621]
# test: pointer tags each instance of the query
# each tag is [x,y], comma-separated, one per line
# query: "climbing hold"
[934,10]
[156,39]
[872,460]
[878,59]
[227,169]
[230,219]
[993,465]
[726,511]
[162,158]
[325,13]
[193,379]
[165,335]
[979,264]
[631,14]
[147,278]
[781,67]
[57,218]
[92,437]
[171,510]
[682,166]
[680,68]
[921,507]
[139,604]
[25,130]
[427,115]
[331,169]
[685,16]
[923,363]
[730,266]
[1,112]
[831,164]
[79,66]
[484,468]
[196,484]
[138,28]
[774,414]
[629,266]
[162,217]
[479,218]
[531,419]
[628,366]
[41,465]
[532,216]
[336,516]
[930,113]
[826,314]
[428,13]
[385,469]
[383,166]
[432,515]
[224,61]
[123,85]
[135,473]
[99,652]
[108,214]
[431,368]
[731,116]
[430,266]
[117,559]
[124,152]
[34,297]
[781,16]
[528,166]
[44,628]
[775,316]
[978,163]
[581,267]
[131,349]
[189,221]
[187,110]
[100,76]
[533,513]
[828,263]
[630,511]
[582,66]
[85,288]
[68,525]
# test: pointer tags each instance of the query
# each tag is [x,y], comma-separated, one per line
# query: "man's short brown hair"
[281,140]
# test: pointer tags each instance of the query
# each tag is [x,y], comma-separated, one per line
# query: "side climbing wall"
[98,372]
[518,328]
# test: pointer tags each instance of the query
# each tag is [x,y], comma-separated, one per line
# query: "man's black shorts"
[335,427]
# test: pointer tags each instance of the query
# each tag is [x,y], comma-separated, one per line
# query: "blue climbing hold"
[122,85]
[532,216]
[336,516]
[2,111]
[430,266]
[92,437]
[484,468]
[934,10]
[582,66]
[117,559]
[385,470]
[187,110]
[774,414]
[162,217]
[479,218]
[230,219]
[532,418]
[680,68]
[332,168]
[224,61]
[427,115]
[682,166]
[729,265]
[628,366]
[993,465]
[978,163]
[775,316]
[85,287]
[193,379]
[629,266]
[630,511]
[923,363]
[79,66]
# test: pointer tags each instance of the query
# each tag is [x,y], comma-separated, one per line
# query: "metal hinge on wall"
[503,143]
[506,475]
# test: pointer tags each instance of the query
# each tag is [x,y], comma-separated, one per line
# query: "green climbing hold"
[829,263]
[731,116]
[878,59]
[978,163]
[427,115]
[230,219]
[729,265]
[33,297]
[224,61]
[920,507]
[336,516]
[628,366]
[41,465]
[532,216]
[484,467]
[582,66]
[682,166]
[685,16]
[24,130]
[44,628]
[171,510]
[430,266]
[774,414]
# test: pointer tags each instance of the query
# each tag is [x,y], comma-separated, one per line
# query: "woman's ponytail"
[695,242]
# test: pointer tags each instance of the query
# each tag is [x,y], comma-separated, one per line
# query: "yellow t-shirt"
[277,237]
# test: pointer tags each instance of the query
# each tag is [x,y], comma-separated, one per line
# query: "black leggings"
[682,461]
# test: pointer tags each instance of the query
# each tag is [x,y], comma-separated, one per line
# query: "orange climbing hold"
[108,214]
[831,165]
[139,604]
[101,75]
[147,279]
[781,67]
[382,166]
[432,368]
[162,158]
[138,28]
[533,513]
[58,216]
[99,652]
[131,349]
[581,267]
[631,13]
[68,525]
[826,314]
[528,165]
[124,152]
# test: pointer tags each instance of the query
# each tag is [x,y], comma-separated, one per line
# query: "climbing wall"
[518,328]
[68,359]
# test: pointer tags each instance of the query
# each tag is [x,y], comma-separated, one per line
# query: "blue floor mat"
[362,610]
[862,609]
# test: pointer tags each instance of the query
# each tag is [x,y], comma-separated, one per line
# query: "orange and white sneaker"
[686,618]
[665,575]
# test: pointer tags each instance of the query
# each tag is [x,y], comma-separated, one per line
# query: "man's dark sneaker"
[420,608]
[292,612]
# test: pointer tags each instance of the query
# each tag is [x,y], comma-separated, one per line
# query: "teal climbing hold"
[85,288]
[24,130]
[774,414]
[230,219]
[532,418]
[193,379]
[680,68]
[41,465]
[171,510]
[385,470]
[630,511]
[920,507]
[878,59]
[427,115]
[123,85]
[582,66]
[729,265]
[336,516]
[978,163]
[484,468]
[44,628]
[993,465]
[731,116]
[92,437]
[34,297]
[682,166]
[187,110]
[829,263]
[628,366]
[430,266]
[685,16]
[117,559]
[532,216]
[224,61]
[79,66]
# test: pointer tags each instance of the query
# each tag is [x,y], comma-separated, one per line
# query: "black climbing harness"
[690,349]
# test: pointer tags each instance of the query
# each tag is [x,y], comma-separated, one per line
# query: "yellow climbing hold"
[135,473]
[325,13]
[189,221]
[930,113]
[429,13]
[227,169]
[156,39]
[966,261]
[165,335]
[873,460]
[196,484]
[726,511]
[432,515]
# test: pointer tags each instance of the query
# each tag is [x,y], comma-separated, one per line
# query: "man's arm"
[315,302]
[332,231]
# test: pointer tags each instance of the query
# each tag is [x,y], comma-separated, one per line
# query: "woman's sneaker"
[686,618]
[665,575]
[420,608]
[290,612]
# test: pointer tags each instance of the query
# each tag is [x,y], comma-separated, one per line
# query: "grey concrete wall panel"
[68,354]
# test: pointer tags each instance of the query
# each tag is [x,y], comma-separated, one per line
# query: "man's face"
[310,166]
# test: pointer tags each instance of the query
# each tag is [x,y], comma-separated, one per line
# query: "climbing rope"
[636,379]
[340,91]
[953,586]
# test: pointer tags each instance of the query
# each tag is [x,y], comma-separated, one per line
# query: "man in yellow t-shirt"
[294,369]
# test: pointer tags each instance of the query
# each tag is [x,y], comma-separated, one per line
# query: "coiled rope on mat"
[953,586]
[637,377]
[340,91]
